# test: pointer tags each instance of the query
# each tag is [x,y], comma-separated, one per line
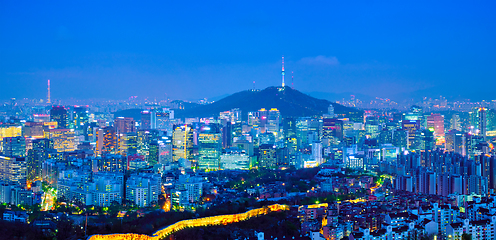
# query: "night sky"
[196,49]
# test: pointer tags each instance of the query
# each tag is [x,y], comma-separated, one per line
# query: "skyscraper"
[13,170]
[436,121]
[482,122]
[107,141]
[14,146]
[37,155]
[59,115]
[182,142]
[124,125]
[79,117]
[210,147]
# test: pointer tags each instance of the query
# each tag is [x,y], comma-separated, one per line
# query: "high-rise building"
[273,120]
[455,142]
[37,156]
[128,144]
[59,114]
[79,117]
[209,147]
[14,146]
[143,189]
[411,127]
[107,141]
[148,119]
[436,122]
[482,123]
[182,142]
[33,129]
[13,170]
[124,125]
[332,128]
[235,159]
[268,156]
[112,163]
[63,139]
[455,122]
[8,130]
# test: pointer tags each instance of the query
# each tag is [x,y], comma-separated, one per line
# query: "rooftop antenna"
[48,94]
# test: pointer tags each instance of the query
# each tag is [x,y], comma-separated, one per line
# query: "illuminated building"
[253,118]
[153,153]
[112,163]
[455,122]
[425,140]
[273,120]
[41,118]
[436,121]
[308,130]
[107,188]
[227,133]
[145,138]
[165,153]
[59,115]
[124,125]
[332,128]
[235,159]
[210,147]
[33,129]
[13,170]
[128,144]
[90,131]
[63,139]
[79,117]
[268,156]
[107,141]
[10,131]
[189,190]
[148,119]
[143,189]
[482,124]
[14,146]
[289,127]
[182,142]
[411,127]
[37,156]
[163,119]
[455,142]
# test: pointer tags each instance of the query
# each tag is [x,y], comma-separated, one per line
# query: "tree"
[466,236]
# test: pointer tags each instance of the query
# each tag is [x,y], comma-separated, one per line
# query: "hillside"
[290,102]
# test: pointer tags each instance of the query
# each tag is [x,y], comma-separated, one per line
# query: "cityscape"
[155,136]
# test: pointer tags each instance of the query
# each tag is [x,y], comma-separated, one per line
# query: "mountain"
[290,102]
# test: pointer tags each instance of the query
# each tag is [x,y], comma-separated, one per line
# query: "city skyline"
[205,51]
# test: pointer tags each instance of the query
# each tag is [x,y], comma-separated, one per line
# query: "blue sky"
[196,49]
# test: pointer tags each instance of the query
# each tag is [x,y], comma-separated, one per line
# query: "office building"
[59,114]
[14,146]
[209,147]
[182,142]
[63,139]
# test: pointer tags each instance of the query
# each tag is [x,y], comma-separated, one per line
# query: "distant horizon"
[316,94]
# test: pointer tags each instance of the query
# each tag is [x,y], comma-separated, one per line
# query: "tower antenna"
[292,80]
[282,71]
[253,85]
[48,95]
